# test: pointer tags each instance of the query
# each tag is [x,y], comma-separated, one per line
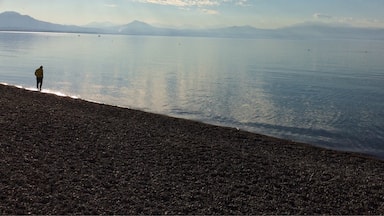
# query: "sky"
[267,14]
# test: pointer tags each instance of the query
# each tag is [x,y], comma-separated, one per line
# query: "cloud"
[196,3]
[242,2]
[205,6]
[183,3]
[110,5]
[359,22]
[211,12]
[322,16]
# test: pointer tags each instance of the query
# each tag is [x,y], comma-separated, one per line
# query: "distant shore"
[68,156]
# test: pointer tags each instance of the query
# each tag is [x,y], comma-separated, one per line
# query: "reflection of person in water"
[39,77]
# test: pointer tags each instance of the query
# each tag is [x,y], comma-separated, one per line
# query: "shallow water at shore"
[328,93]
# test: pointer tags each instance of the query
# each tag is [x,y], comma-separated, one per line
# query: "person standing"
[39,73]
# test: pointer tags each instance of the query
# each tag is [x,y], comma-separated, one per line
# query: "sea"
[328,93]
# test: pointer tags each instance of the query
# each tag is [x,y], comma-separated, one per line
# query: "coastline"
[68,156]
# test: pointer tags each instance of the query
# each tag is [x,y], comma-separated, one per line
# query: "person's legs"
[41,83]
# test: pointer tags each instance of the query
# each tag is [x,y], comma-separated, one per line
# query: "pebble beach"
[60,155]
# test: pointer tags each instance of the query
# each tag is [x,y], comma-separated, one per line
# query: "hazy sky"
[203,13]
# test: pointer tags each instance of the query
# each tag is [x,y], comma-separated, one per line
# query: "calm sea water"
[328,93]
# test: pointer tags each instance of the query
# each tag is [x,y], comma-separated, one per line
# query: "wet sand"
[60,155]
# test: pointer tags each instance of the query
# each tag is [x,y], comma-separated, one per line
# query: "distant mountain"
[241,31]
[324,31]
[141,28]
[138,28]
[12,21]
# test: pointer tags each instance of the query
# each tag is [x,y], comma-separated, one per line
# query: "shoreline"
[370,154]
[69,156]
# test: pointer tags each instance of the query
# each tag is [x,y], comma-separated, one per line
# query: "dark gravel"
[64,156]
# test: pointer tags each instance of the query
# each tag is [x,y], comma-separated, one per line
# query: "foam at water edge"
[46,91]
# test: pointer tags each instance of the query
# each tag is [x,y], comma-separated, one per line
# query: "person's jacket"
[39,73]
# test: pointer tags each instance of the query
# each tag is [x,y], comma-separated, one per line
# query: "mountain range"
[13,21]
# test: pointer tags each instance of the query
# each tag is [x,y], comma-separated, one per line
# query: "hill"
[13,21]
